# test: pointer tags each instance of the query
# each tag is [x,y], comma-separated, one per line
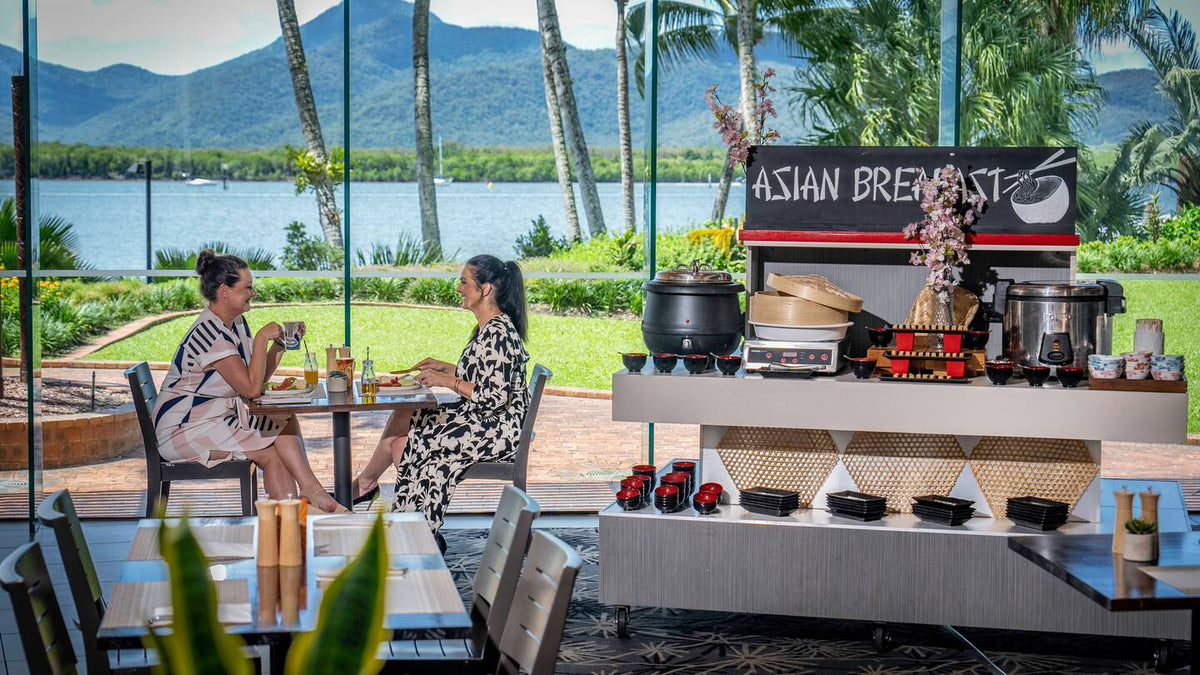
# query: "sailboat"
[441,178]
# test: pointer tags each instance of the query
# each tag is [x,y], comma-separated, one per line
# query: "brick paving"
[577,441]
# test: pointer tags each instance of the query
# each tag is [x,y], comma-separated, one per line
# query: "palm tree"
[331,221]
[175,258]
[873,73]
[564,89]
[562,162]
[1108,204]
[689,30]
[58,243]
[623,132]
[1166,152]
[426,193]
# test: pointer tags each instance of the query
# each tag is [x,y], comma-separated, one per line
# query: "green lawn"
[581,351]
[1177,303]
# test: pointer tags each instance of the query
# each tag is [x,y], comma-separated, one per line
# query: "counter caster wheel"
[1162,655]
[623,622]
[880,639]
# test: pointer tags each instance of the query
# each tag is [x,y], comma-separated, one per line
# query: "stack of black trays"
[770,501]
[943,510]
[1037,513]
[856,505]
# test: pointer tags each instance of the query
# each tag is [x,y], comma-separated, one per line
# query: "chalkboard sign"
[874,189]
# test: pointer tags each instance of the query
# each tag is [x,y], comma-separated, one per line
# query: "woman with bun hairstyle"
[432,448]
[200,416]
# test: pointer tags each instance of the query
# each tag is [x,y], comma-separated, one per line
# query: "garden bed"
[72,432]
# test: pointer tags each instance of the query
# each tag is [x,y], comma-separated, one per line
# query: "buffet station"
[917,378]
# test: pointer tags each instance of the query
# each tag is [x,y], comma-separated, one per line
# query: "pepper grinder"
[1149,504]
[330,359]
[290,554]
[268,533]
[1124,499]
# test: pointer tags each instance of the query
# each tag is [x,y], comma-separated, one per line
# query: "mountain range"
[486,82]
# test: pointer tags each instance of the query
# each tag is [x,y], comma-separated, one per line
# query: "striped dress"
[197,410]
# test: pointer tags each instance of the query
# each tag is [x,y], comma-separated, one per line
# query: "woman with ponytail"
[432,448]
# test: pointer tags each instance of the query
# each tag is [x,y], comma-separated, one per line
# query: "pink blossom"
[730,124]
[950,210]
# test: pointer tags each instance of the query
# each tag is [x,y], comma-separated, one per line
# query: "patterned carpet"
[694,642]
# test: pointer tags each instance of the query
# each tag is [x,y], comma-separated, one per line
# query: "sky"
[181,36]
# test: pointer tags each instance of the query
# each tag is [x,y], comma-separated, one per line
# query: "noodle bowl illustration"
[1042,199]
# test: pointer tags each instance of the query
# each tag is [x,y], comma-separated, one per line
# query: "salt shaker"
[1124,499]
[1149,504]
[268,533]
[289,533]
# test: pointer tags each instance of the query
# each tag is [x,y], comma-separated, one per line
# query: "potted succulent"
[1141,540]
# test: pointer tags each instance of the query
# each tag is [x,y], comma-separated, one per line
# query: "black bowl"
[880,337]
[634,361]
[862,367]
[704,503]
[1036,375]
[1069,376]
[978,339]
[695,363]
[665,363]
[998,373]
[729,365]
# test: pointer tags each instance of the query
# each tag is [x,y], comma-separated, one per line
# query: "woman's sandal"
[313,498]
[368,496]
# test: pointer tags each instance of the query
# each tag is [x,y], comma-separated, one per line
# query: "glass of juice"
[310,368]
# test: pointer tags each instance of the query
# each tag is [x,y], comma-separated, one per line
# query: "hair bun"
[204,260]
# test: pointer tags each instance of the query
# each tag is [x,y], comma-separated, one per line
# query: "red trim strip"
[823,236]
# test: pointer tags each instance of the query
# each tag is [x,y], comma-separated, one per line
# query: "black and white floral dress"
[443,443]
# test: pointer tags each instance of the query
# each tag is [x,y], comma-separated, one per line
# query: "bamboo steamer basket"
[815,288]
[772,307]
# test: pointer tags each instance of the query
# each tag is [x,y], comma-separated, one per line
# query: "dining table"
[267,606]
[340,405]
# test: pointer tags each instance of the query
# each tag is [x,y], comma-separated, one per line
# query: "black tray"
[852,496]
[855,508]
[1038,502]
[771,501]
[951,522]
[766,511]
[1038,526]
[941,501]
[867,517]
[769,492]
[1036,514]
[943,515]
[943,509]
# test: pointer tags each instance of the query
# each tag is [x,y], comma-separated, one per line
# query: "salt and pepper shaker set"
[281,540]
[1124,498]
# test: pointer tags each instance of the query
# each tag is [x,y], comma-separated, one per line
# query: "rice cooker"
[1057,323]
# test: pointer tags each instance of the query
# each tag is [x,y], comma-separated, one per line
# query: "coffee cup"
[291,334]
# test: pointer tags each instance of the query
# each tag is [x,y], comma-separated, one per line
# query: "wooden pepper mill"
[1149,503]
[1124,499]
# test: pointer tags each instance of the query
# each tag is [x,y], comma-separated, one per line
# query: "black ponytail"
[216,270]
[509,285]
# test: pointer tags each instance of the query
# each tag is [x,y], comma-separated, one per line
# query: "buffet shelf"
[843,402]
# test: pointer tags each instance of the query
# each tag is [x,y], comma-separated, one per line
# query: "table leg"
[341,459]
[1195,641]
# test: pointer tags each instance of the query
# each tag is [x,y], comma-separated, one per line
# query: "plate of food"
[289,385]
[398,383]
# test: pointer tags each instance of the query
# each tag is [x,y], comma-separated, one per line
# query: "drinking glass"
[310,368]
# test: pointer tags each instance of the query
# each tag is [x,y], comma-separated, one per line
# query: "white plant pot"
[1141,547]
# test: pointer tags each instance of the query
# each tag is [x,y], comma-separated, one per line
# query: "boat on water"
[200,182]
[441,178]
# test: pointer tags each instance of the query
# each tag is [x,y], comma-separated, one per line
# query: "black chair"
[57,512]
[160,473]
[44,634]
[516,470]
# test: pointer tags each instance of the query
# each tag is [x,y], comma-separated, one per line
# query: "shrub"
[1130,255]
[428,291]
[1184,226]
[304,252]
[539,243]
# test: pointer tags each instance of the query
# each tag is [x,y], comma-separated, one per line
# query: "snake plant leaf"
[350,624]
[197,644]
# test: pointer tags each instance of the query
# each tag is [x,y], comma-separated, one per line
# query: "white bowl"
[824,333]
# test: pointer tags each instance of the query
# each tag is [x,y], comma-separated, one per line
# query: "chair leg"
[249,491]
[153,494]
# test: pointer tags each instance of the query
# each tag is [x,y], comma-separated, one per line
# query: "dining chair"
[495,585]
[533,632]
[159,473]
[39,617]
[515,471]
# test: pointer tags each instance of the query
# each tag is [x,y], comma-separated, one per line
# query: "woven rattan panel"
[902,466]
[788,459]
[1053,468]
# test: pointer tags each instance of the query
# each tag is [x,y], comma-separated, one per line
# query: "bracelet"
[455,387]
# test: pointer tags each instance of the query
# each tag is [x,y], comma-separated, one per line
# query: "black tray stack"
[856,505]
[770,501]
[943,510]
[1037,513]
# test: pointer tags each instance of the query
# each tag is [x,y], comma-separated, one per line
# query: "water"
[109,215]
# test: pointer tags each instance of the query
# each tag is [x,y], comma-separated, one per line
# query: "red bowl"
[684,466]
[644,469]
[665,491]
[628,494]
[634,482]
[705,497]
[715,488]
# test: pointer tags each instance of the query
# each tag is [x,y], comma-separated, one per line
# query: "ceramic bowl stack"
[943,510]
[1105,366]
[770,501]
[1166,367]
[856,505]
[1037,513]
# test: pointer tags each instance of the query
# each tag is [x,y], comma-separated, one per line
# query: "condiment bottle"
[1124,499]
[290,552]
[1149,504]
[370,383]
[268,532]
[331,356]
